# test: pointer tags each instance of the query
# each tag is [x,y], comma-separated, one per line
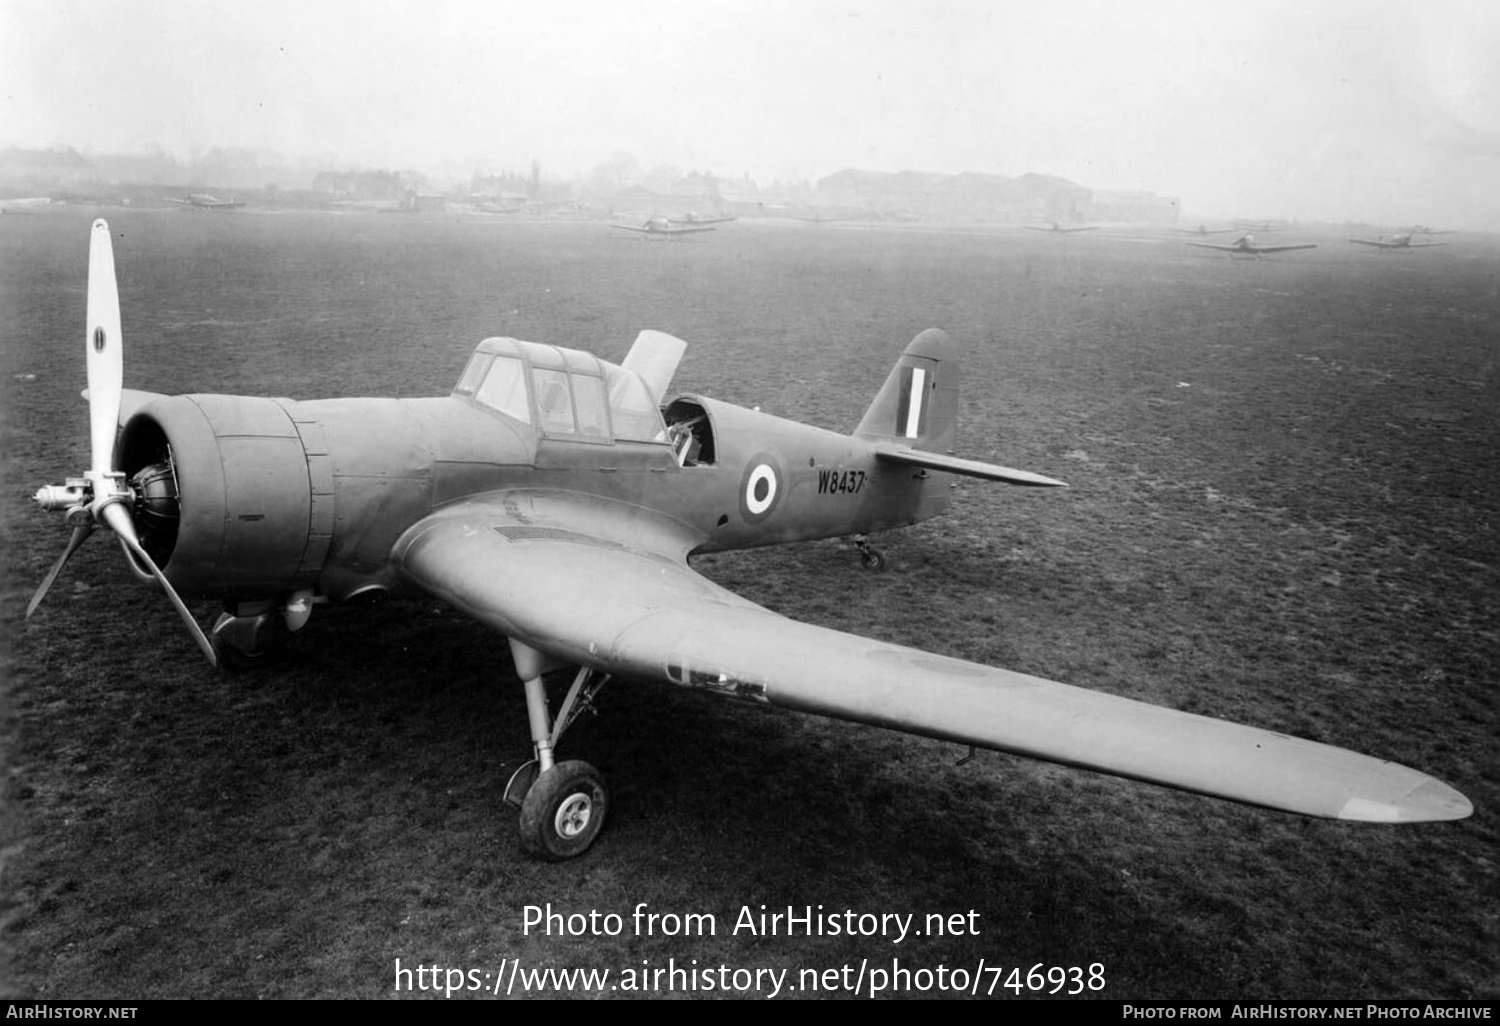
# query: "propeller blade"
[80,535]
[117,518]
[103,350]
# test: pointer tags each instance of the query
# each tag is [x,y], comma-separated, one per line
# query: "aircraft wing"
[660,229]
[1219,245]
[1381,243]
[544,574]
[1281,249]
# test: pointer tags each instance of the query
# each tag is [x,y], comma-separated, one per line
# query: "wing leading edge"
[615,606]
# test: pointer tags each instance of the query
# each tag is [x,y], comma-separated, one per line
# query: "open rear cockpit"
[691,433]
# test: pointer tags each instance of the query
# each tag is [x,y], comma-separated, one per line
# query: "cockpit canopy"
[562,393]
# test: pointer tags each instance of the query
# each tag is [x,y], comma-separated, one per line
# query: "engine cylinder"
[223,494]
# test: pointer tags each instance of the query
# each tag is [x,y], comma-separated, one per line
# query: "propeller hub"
[76,492]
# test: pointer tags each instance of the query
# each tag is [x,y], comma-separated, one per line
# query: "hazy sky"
[1333,109]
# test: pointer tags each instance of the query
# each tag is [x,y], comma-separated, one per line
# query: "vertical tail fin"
[918,404]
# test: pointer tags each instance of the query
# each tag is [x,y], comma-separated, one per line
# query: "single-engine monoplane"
[205,201]
[1058,228]
[1246,245]
[1203,229]
[1399,241]
[1428,230]
[556,498]
[692,217]
[662,227]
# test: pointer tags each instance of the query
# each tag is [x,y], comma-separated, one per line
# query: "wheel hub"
[573,815]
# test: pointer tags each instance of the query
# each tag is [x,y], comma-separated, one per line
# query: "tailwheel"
[870,557]
[563,811]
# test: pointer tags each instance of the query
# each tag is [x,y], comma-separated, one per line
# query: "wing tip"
[1431,801]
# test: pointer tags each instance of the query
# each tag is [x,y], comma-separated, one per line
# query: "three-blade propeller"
[101,497]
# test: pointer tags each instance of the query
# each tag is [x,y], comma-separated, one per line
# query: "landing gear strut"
[562,803]
[869,557]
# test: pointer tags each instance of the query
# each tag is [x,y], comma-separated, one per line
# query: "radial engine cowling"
[224,494]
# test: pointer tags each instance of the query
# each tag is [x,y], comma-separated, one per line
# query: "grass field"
[1285,482]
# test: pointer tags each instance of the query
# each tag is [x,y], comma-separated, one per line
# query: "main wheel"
[872,559]
[563,811]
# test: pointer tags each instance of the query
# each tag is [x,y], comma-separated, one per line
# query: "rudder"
[918,404]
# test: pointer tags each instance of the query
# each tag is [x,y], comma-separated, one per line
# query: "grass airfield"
[1285,479]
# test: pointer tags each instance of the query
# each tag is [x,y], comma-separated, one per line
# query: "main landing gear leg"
[562,803]
[869,557]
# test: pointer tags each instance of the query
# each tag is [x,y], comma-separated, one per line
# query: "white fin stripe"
[914,402]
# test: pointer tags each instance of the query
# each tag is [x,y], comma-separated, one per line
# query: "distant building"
[970,196]
[44,172]
[362,185]
[1138,207]
[740,196]
[1049,198]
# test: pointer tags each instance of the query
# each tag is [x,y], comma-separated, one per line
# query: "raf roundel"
[761,488]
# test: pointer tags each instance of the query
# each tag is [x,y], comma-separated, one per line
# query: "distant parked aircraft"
[818,217]
[1260,226]
[692,217]
[663,227]
[1062,230]
[203,201]
[489,206]
[1245,245]
[23,204]
[1401,241]
[1203,229]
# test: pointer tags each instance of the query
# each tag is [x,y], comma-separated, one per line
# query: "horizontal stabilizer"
[969,468]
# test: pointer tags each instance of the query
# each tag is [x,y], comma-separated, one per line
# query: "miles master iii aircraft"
[665,228]
[1404,240]
[557,497]
[1061,229]
[1246,245]
[203,201]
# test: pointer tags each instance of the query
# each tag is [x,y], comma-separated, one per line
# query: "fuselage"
[275,495]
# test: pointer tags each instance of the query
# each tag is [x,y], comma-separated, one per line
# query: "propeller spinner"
[101,496]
